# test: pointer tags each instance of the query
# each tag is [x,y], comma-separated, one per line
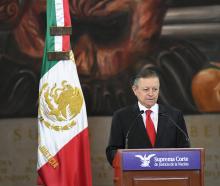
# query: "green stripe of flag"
[49,41]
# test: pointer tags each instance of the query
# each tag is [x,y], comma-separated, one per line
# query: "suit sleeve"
[116,138]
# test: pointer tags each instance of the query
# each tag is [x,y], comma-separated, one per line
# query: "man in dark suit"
[146,124]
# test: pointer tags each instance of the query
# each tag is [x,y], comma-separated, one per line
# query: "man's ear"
[134,88]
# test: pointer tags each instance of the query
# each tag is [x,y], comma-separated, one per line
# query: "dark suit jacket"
[168,135]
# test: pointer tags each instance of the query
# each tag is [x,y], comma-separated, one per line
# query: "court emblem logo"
[145,160]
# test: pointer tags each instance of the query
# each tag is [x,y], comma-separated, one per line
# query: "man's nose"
[150,92]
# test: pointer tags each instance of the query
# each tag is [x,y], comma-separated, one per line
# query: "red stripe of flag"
[72,170]
[67,22]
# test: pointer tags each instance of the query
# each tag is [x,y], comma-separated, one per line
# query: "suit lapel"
[162,122]
[139,120]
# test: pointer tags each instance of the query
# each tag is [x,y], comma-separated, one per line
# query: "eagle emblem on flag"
[58,106]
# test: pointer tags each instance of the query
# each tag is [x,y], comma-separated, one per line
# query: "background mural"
[111,41]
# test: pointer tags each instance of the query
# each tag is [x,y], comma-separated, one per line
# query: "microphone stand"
[129,130]
[178,127]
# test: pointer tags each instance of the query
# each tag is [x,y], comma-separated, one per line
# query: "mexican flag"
[63,144]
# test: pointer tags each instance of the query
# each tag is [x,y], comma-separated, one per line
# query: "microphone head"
[141,112]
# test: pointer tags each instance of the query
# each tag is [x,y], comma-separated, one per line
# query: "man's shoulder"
[129,108]
[126,110]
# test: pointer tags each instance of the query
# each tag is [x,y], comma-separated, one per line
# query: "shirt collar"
[154,108]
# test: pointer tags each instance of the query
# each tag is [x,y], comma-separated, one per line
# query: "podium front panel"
[161,178]
[161,160]
[169,181]
[159,167]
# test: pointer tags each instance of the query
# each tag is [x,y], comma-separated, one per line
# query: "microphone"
[174,123]
[131,126]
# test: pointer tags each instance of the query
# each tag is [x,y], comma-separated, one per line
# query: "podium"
[159,167]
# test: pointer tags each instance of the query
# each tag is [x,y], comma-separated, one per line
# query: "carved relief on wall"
[111,41]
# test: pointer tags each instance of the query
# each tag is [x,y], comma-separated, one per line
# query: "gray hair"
[145,73]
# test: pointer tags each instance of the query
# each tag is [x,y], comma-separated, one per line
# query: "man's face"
[147,91]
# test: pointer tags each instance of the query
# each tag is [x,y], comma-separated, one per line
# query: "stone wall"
[18,154]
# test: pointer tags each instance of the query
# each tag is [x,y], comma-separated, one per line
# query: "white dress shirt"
[153,115]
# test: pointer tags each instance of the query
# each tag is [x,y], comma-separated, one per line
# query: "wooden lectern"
[159,167]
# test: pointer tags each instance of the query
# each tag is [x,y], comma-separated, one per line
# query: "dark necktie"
[150,127]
